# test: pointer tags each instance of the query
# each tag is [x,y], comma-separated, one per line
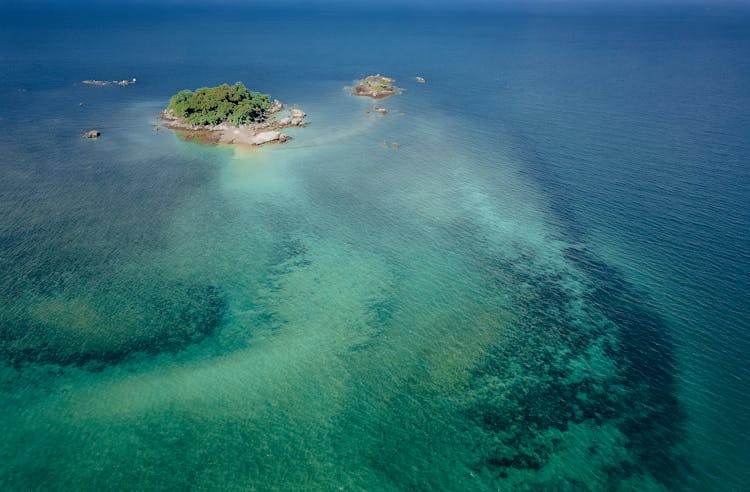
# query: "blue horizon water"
[545,286]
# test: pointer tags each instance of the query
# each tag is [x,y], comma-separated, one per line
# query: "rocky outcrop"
[297,117]
[268,137]
[276,106]
[376,87]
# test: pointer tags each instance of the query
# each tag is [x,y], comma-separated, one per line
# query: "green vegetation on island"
[230,115]
[236,105]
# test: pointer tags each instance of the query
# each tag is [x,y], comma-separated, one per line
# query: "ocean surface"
[544,286]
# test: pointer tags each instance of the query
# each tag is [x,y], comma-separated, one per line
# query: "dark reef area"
[93,332]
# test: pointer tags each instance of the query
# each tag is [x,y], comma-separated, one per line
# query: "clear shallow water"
[544,286]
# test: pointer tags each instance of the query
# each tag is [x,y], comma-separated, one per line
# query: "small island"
[102,83]
[376,87]
[231,115]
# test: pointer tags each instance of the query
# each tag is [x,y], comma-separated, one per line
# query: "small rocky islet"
[376,87]
[232,115]
[102,83]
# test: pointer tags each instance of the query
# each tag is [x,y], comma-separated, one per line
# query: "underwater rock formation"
[98,329]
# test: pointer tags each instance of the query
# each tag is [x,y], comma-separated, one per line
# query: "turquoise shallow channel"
[542,286]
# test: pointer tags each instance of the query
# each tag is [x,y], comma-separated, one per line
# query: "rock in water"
[276,106]
[266,137]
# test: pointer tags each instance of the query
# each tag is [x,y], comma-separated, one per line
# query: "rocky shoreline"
[263,132]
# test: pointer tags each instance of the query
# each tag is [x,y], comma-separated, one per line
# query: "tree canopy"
[213,105]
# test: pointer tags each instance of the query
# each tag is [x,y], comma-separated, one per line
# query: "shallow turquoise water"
[543,287]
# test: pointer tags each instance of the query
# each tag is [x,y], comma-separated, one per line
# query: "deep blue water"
[544,287]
